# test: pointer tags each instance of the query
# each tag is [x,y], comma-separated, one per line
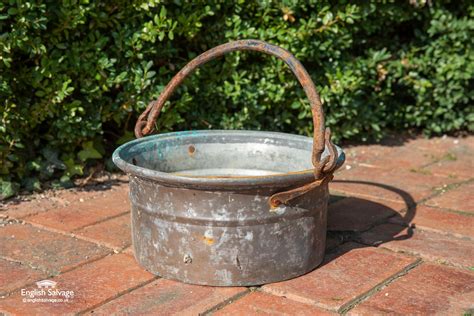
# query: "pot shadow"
[351,220]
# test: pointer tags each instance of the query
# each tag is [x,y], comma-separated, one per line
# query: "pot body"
[226,238]
[221,230]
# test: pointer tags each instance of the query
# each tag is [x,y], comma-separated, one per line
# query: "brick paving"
[400,241]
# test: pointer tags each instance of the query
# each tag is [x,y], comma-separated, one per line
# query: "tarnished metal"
[229,208]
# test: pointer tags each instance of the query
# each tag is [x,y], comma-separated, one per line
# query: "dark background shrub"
[76,74]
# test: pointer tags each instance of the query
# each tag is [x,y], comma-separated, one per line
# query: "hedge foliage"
[74,75]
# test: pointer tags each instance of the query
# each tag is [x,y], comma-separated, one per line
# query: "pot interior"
[220,154]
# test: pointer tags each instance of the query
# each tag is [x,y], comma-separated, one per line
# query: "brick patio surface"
[400,241]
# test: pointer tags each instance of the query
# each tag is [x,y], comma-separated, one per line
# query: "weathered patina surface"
[201,211]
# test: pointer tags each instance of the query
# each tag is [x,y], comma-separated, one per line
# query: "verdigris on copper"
[230,208]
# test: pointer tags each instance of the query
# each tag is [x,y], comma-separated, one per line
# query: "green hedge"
[76,74]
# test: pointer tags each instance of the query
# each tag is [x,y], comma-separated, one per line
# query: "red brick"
[166,297]
[428,245]
[13,275]
[52,199]
[416,151]
[454,160]
[350,273]
[359,214]
[461,168]
[114,233]
[438,220]
[92,284]
[23,208]
[457,162]
[365,154]
[407,153]
[258,303]
[460,199]
[399,185]
[368,190]
[385,157]
[441,144]
[426,290]
[46,250]
[81,214]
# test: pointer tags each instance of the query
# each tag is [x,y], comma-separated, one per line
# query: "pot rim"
[218,182]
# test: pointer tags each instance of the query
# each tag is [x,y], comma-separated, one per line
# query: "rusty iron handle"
[321,136]
[284,197]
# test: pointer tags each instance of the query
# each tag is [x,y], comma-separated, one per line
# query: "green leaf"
[89,152]
[72,168]
[32,184]
[52,158]
[8,189]
[295,105]
[66,182]
[327,18]
[163,12]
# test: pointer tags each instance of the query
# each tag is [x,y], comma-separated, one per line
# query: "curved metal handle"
[146,120]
